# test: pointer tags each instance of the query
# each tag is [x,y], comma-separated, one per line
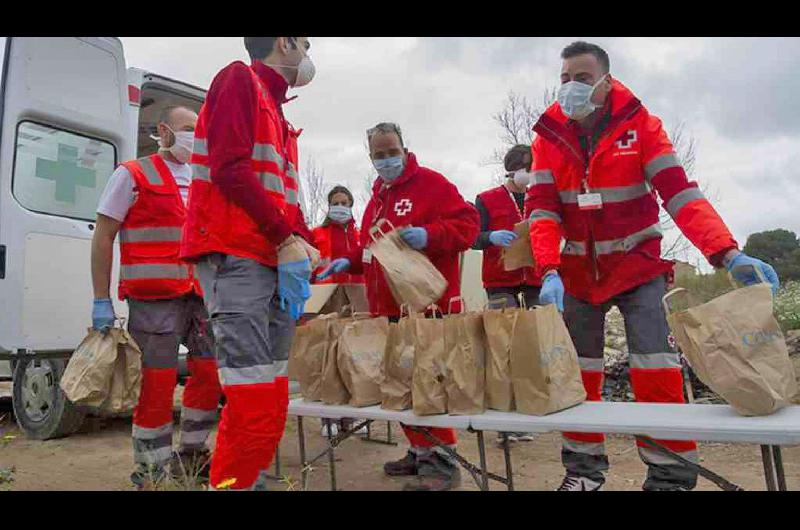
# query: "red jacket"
[336,241]
[243,199]
[424,198]
[503,215]
[617,247]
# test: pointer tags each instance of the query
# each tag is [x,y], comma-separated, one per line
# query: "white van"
[70,112]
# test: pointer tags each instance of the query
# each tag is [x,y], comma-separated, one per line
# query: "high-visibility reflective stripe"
[543,176]
[145,433]
[281,368]
[142,455]
[574,248]
[591,365]
[291,171]
[190,414]
[149,271]
[538,215]
[291,196]
[651,456]
[627,243]
[622,193]
[200,147]
[248,375]
[271,182]
[650,361]
[200,172]
[194,438]
[681,199]
[652,168]
[150,172]
[268,153]
[586,448]
[569,196]
[142,235]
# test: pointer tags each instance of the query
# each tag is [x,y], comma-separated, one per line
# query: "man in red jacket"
[600,158]
[433,218]
[242,231]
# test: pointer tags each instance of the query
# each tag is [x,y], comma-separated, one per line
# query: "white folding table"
[711,423]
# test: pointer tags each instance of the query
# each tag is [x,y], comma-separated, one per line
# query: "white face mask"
[575,98]
[181,148]
[340,214]
[305,71]
[522,178]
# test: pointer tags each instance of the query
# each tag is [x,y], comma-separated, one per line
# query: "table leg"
[776,453]
[766,458]
[482,453]
[507,455]
[302,443]
[389,432]
[331,463]
[278,461]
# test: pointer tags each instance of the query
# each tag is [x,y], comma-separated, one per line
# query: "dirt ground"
[98,457]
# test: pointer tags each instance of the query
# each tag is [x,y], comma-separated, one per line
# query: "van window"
[58,172]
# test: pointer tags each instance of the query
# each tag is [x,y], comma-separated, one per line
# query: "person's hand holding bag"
[294,273]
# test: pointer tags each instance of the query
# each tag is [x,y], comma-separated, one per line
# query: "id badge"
[366,256]
[590,201]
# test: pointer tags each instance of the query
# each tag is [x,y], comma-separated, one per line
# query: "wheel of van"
[41,408]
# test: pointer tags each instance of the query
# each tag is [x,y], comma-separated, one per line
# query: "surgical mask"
[522,178]
[305,71]
[389,168]
[575,98]
[181,149]
[340,214]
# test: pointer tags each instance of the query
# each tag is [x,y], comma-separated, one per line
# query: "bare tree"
[313,192]
[363,194]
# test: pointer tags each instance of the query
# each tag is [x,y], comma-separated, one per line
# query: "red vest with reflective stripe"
[503,215]
[150,236]
[214,223]
[336,241]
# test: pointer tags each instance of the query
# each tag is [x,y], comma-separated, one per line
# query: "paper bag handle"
[665,299]
[757,270]
[434,308]
[450,304]
[377,228]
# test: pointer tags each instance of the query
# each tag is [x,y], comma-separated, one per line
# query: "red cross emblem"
[403,207]
[627,140]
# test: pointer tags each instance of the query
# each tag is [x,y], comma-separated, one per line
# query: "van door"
[64,129]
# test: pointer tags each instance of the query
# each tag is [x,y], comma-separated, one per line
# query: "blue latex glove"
[102,314]
[552,291]
[416,237]
[338,265]
[741,268]
[502,238]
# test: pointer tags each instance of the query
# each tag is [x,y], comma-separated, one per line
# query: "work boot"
[191,466]
[578,483]
[146,478]
[406,466]
[435,473]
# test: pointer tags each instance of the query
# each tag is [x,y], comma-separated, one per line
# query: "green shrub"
[787,306]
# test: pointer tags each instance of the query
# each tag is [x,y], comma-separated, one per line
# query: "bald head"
[174,119]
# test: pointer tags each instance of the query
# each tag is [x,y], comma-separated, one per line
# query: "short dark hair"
[518,157]
[260,47]
[340,189]
[580,48]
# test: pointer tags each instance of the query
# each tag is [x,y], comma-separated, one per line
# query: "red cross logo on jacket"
[627,140]
[403,207]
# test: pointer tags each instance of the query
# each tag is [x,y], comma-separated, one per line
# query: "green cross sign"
[66,173]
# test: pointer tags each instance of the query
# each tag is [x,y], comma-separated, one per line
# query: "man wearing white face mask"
[145,201]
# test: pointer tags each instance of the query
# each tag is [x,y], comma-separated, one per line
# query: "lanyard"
[514,201]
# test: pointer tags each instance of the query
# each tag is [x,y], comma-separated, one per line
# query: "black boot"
[435,473]
[406,466]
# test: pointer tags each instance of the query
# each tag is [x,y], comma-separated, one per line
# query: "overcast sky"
[737,96]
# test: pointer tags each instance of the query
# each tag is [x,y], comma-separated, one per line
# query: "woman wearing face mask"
[338,236]
[433,218]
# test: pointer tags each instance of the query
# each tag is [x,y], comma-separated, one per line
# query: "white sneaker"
[576,483]
[334,429]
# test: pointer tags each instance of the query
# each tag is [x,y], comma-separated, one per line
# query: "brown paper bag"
[499,327]
[411,276]
[465,363]
[360,359]
[332,389]
[351,297]
[307,355]
[519,254]
[104,372]
[545,372]
[428,395]
[736,347]
[398,364]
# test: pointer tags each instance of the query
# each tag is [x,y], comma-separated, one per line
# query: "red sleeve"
[302,229]
[682,199]
[230,121]
[543,208]
[457,225]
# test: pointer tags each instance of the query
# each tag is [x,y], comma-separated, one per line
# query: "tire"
[41,408]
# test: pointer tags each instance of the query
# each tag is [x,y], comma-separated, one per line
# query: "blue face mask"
[389,168]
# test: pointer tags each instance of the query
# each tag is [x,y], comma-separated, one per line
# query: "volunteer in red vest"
[145,202]
[433,218]
[501,208]
[241,231]
[338,235]
[600,161]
